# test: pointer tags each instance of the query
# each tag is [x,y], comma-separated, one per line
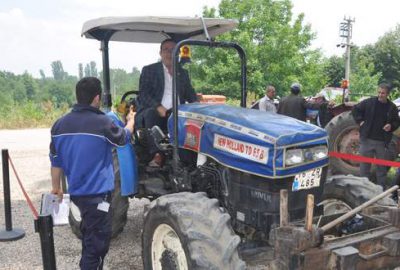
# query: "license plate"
[307,180]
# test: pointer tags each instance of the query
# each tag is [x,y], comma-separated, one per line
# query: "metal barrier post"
[9,234]
[44,226]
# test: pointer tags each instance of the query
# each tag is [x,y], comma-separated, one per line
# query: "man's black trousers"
[96,230]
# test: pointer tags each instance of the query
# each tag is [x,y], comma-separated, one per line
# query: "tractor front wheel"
[188,231]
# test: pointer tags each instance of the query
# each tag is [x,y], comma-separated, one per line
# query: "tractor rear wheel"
[188,231]
[344,137]
[345,192]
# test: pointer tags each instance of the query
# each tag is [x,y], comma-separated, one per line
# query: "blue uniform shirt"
[81,144]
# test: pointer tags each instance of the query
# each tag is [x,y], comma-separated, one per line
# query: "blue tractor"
[235,182]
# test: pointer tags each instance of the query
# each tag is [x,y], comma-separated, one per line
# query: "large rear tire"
[345,192]
[189,231]
[119,207]
[344,137]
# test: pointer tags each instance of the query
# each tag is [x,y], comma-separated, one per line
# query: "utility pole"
[346,31]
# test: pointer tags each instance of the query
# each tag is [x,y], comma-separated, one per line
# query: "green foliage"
[386,56]
[90,70]
[42,75]
[363,83]
[121,81]
[334,70]
[11,87]
[30,102]
[364,77]
[30,114]
[277,48]
[80,71]
[58,70]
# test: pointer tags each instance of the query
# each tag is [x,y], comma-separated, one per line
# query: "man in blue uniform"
[81,144]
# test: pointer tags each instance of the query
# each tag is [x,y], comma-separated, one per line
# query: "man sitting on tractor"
[155,94]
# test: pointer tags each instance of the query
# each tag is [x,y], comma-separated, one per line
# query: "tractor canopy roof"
[150,29]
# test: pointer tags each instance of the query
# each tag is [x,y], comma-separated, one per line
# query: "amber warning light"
[185,54]
[345,84]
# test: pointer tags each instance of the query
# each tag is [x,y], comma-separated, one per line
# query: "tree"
[42,75]
[276,44]
[364,82]
[30,86]
[334,70]
[121,81]
[135,72]
[93,69]
[58,70]
[80,68]
[60,93]
[386,56]
[6,93]
[87,70]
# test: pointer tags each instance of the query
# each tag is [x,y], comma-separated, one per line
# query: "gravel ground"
[28,150]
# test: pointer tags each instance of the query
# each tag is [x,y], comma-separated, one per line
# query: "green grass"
[30,115]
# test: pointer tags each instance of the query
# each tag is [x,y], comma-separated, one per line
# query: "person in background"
[155,94]
[378,118]
[295,105]
[267,102]
[81,144]
[324,115]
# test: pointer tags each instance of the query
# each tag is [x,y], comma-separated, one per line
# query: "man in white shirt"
[155,91]
[267,102]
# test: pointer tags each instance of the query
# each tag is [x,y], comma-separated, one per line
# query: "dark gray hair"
[385,86]
[165,41]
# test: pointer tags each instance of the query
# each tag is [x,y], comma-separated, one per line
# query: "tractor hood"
[249,140]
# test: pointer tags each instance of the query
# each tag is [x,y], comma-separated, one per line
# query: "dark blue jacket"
[151,86]
[81,144]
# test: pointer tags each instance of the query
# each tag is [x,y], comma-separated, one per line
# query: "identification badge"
[103,206]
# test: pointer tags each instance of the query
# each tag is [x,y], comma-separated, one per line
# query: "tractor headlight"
[298,156]
[294,156]
[319,152]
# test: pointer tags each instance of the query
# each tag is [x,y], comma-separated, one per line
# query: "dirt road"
[29,151]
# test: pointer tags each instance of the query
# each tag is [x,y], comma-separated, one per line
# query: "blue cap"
[295,86]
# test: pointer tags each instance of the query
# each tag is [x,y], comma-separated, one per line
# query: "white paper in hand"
[51,206]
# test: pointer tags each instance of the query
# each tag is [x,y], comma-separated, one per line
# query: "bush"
[30,115]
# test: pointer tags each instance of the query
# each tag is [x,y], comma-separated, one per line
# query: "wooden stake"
[284,215]
[309,212]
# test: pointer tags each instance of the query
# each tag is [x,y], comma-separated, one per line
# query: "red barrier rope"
[28,200]
[376,161]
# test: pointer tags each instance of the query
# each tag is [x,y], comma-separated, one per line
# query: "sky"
[35,33]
